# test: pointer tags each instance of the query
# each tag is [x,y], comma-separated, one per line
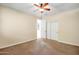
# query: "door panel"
[54,30]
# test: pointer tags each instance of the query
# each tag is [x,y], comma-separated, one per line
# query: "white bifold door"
[52,30]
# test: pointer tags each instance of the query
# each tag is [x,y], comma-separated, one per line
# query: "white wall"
[16,27]
[68,26]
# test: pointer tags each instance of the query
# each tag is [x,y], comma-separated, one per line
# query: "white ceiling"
[29,8]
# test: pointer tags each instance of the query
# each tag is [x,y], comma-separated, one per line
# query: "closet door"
[49,30]
[43,28]
[54,30]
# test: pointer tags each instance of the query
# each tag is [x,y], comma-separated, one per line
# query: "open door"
[38,29]
[41,28]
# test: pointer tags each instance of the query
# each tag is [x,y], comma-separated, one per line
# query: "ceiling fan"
[43,7]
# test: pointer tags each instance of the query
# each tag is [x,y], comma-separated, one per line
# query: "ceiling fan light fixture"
[46,6]
[41,9]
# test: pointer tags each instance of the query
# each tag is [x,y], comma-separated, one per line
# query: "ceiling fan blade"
[48,9]
[37,5]
[45,4]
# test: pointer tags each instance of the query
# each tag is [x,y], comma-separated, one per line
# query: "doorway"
[41,28]
[38,28]
[47,30]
